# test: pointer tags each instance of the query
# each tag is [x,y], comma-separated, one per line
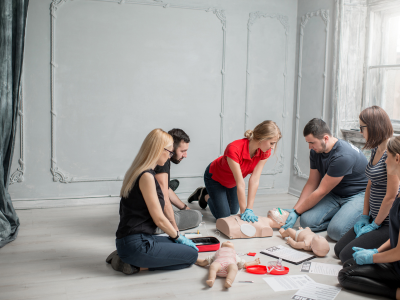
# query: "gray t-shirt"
[343,160]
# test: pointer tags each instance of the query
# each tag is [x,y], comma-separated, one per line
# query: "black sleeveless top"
[134,214]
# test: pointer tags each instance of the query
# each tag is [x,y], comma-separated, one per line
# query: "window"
[382,75]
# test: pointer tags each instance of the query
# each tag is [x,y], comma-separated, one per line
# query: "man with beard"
[333,197]
[184,218]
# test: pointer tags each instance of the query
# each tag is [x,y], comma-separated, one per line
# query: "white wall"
[120,70]
[314,70]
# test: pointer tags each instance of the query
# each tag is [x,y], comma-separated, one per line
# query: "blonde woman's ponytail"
[249,134]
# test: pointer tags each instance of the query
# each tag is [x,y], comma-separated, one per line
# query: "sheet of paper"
[287,283]
[317,291]
[321,268]
[193,235]
[287,254]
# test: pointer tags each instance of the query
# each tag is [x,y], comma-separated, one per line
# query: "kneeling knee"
[334,233]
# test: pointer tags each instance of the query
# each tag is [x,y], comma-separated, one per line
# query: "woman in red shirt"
[224,177]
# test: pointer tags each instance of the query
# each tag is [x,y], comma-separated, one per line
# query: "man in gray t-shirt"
[333,197]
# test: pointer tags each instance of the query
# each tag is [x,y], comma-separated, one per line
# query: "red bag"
[207,243]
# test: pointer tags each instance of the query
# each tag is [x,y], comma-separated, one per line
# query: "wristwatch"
[175,238]
[297,212]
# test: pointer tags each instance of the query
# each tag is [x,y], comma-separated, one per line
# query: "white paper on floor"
[288,282]
[321,268]
[317,291]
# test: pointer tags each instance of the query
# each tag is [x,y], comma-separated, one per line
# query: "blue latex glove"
[364,220]
[249,216]
[292,218]
[185,241]
[364,256]
[368,228]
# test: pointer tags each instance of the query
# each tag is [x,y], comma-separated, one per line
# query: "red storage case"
[207,243]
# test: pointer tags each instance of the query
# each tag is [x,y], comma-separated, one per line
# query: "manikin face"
[180,152]
[227,244]
[268,144]
[165,155]
[317,145]
[393,164]
[364,130]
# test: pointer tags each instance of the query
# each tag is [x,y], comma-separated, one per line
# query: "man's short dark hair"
[318,128]
[178,135]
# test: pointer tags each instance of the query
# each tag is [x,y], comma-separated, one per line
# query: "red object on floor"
[251,254]
[207,243]
[260,269]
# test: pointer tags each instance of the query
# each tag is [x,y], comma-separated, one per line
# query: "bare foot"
[257,260]
[228,284]
[210,282]
[283,232]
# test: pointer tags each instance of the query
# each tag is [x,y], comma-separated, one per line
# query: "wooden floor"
[60,254]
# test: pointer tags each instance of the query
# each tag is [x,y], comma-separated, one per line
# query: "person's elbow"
[161,221]
[240,184]
[254,181]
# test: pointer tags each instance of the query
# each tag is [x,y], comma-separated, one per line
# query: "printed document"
[287,283]
[317,291]
[321,268]
[288,254]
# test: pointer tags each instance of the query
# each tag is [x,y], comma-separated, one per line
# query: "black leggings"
[377,279]
[370,240]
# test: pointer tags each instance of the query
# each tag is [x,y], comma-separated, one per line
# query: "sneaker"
[111,256]
[195,195]
[202,198]
[118,265]
[173,184]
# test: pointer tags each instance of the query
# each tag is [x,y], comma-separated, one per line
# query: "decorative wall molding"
[59,175]
[284,20]
[18,175]
[324,14]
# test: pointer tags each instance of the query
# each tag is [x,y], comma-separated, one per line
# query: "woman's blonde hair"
[393,145]
[264,131]
[150,151]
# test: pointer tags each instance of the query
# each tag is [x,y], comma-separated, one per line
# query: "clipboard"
[287,254]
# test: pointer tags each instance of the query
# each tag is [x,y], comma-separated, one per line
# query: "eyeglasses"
[361,128]
[170,153]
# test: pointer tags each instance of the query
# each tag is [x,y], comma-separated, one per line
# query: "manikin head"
[278,217]
[266,135]
[228,244]
[318,136]
[181,144]
[320,246]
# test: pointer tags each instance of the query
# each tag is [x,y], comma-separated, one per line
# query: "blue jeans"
[335,214]
[223,202]
[155,252]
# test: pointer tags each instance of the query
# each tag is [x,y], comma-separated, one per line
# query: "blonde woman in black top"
[141,211]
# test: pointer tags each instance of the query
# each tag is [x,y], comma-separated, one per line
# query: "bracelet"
[296,212]
[175,238]
[183,207]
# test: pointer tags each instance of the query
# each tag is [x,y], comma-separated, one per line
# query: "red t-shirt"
[238,151]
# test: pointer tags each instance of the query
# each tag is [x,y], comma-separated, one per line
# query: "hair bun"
[249,134]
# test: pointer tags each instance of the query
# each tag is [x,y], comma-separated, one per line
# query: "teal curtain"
[12,37]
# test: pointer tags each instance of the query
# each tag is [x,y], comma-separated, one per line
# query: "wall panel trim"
[284,20]
[324,14]
[59,175]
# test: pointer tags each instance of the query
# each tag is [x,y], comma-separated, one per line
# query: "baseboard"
[294,192]
[88,201]
[53,203]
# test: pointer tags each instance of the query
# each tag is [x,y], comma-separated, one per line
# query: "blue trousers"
[335,214]
[155,252]
[223,201]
